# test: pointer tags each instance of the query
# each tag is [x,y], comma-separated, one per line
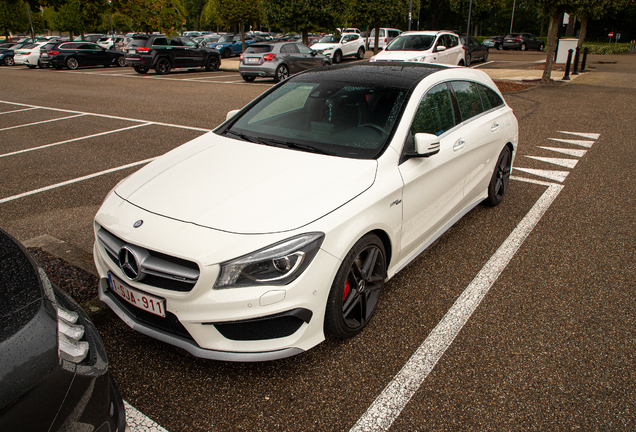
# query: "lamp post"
[513,14]
[470,8]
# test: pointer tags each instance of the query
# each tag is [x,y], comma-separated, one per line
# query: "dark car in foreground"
[495,42]
[7,53]
[161,53]
[474,50]
[278,60]
[54,372]
[75,54]
[522,42]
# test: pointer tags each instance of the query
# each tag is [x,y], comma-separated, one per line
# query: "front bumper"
[237,324]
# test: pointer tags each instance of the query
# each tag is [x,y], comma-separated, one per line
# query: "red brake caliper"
[347,288]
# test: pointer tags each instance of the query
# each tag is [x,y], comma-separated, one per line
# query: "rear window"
[138,42]
[258,49]
[48,46]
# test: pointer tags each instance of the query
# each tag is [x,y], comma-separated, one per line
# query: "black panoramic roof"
[402,75]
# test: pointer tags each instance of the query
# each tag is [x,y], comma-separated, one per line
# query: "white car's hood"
[247,188]
[400,55]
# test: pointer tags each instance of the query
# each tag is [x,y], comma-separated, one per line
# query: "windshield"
[335,118]
[226,38]
[330,39]
[411,43]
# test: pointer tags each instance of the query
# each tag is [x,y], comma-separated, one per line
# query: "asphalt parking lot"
[519,317]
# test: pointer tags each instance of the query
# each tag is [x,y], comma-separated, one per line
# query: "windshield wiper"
[296,146]
[243,136]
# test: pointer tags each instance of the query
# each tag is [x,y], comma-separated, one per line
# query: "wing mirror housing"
[231,114]
[440,48]
[426,144]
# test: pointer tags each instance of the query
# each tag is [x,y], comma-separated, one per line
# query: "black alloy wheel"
[337,57]
[499,47]
[522,47]
[360,55]
[282,72]
[72,63]
[8,61]
[356,290]
[140,70]
[468,60]
[163,66]
[121,61]
[212,64]
[247,78]
[500,178]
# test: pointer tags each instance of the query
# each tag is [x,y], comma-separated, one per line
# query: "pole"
[470,8]
[566,77]
[513,14]
[30,22]
[410,11]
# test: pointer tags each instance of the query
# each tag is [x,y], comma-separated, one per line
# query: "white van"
[386,36]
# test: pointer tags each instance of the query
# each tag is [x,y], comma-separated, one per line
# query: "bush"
[606,49]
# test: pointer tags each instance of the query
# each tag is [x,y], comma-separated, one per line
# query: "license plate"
[44,55]
[252,59]
[152,304]
[131,51]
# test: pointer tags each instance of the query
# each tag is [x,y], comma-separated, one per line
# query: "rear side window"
[489,97]
[468,98]
[394,33]
[259,49]
[289,48]
[48,47]
[162,41]
[435,113]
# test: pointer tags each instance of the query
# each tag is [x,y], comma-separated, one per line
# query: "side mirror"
[426,144]
[440,48]
[231,114]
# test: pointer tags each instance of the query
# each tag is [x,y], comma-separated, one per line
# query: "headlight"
[278,264]
[219,47]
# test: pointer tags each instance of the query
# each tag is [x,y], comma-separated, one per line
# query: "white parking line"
[71,140]
[76,180]
[107,116]
[17,111]
[138,422]
[389,404]
[40,122]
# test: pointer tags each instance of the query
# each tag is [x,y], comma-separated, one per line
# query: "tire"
[58,67]
[500,178]
[163,66]
[461,62]
[360,54]
[140,70]
[485,58]
[72,63]
[281,73]
[121,61]
[523,47]
[212,64]
[337,57]
[468,60]
[356,290]
[499,47]
[541,47]
[226,53]
[31,66]
[248,78]
[8,61]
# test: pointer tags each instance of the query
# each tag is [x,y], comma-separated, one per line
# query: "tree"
[480,8]
[209,17]
[195,10]
[596,9]
[166,16]
[304,15]
[377,13]
[239,12]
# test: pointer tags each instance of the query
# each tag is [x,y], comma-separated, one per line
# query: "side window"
[162,41]
[468,98]
[489,97]
[289,48]
[435,113]
[452,41]
[304,49]
[175,42]
[393,33]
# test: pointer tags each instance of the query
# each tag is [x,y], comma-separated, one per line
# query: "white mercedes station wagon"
[258,240]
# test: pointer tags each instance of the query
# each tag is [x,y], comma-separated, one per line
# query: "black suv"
[162,54]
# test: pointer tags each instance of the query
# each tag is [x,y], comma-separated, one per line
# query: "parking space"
[511,308]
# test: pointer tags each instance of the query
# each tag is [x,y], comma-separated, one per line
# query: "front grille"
[160,270]
[265,328]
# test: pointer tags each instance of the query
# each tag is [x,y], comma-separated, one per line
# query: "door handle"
[459,144]
[494,127]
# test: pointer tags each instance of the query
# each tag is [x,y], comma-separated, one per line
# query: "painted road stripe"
[552,175]
[68,182]
[567,163]
[388,405]
[107,116]
[17,111]
[40,122]
[139,422]
[571,152]
[583,134]
[582,143]
[71,140]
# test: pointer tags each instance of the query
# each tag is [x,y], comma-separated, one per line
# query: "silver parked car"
[278,60]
